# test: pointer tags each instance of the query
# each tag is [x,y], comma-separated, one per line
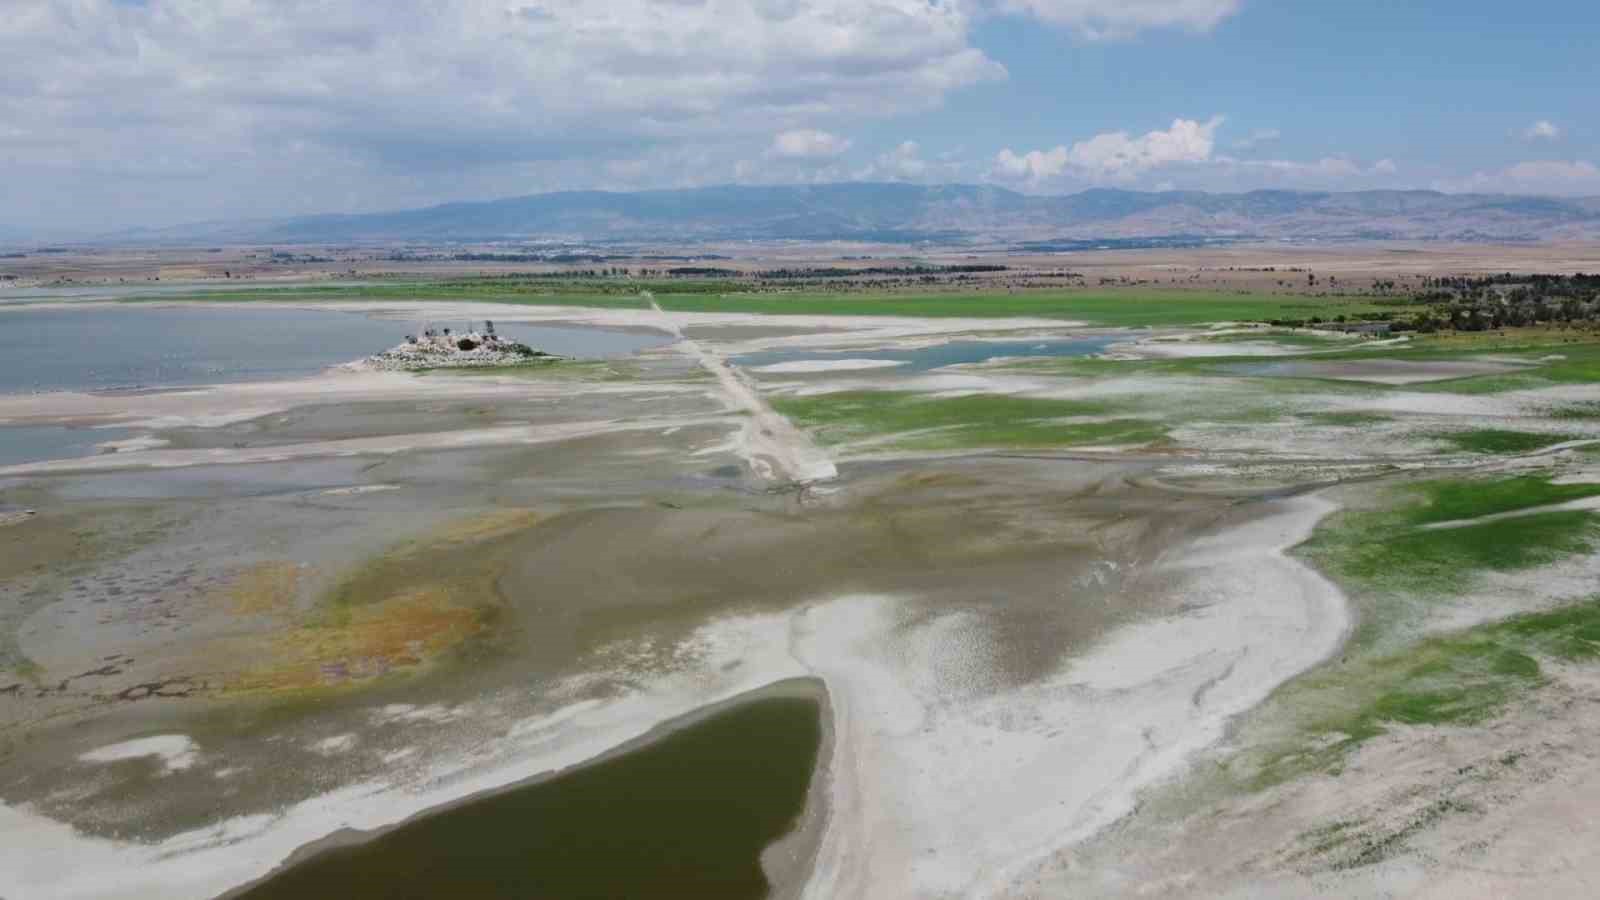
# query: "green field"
[1500,440]
[1462,678]
[948,423]
[1131,307]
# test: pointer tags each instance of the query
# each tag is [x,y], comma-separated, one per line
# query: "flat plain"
[1180,588]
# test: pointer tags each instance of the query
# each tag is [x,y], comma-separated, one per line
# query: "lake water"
[131,348]
[685,816]
[27,443]
[124,348]
[922,359]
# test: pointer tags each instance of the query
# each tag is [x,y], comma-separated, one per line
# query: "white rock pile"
[444,350]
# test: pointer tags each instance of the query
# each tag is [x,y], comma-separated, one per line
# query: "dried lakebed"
[335,616]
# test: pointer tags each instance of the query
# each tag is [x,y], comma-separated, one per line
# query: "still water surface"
[686,816]
[104,348]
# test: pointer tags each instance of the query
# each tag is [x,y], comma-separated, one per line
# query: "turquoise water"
[684,817]
[922,359]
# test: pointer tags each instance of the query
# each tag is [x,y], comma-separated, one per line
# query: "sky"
[118,113]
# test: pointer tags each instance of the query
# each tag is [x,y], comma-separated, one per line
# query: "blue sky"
[114,112]
[1432,84]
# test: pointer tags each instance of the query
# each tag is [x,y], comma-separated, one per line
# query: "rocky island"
[442,349]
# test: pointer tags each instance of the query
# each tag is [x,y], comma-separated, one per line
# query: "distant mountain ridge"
[894,212]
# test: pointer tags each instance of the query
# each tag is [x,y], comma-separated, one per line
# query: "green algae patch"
[913,421]
[687,815]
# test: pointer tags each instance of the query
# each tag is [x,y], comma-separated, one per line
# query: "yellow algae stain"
[401,634]
[397,614]
[268,588]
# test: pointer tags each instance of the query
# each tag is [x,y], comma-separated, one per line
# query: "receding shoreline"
[785,862]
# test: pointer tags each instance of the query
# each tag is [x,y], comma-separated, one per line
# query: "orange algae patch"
[401,633]
[400,613]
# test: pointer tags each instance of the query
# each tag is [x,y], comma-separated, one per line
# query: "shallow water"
[922,359]
[104,348]
[27,443]
[685,816]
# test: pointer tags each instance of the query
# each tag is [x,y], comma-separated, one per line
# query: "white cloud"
[1185,155]
[1575,178]
[177,109]
[1257,138]
[1114,156]
[1542,130]
[808,143]
[1121,18]
[1555,171]
[903,162]
[1033,166]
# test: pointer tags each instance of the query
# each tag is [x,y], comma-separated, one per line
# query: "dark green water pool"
[686,816]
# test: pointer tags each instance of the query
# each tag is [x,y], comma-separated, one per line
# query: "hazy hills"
[899,213]
[903,212]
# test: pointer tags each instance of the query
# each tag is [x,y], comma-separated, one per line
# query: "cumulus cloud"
[348,103]
[903,162]
[808,143]
[1184,154]
[1105,19]
[1114,156]
[1542,130]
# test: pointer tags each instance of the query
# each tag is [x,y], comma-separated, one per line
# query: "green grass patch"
[1582,412]
[1451,500]
[1499,440]
[1393,565]
[1446,559]
[1124,308]
[1464,678]
[1348,419]
[983,420]
[1562,363]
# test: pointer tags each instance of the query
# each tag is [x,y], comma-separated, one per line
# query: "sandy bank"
[826,365]
[450,440]
[943,792]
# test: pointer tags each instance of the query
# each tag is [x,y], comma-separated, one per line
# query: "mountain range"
[898,213]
